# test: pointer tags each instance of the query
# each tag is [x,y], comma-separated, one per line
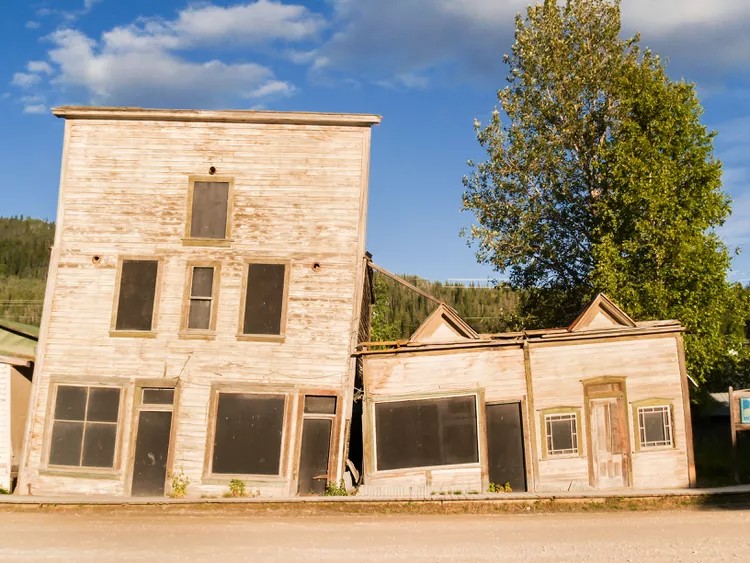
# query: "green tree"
[600,177]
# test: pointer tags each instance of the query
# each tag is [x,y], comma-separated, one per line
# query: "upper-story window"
[200,306]
[264,300]
[136,295]
[209,210]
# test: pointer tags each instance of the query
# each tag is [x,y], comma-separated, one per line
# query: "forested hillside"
[398,311]
[24,256]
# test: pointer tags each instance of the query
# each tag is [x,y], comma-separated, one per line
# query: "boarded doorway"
[609,444]
[314,458]
[152,442]
[505,453]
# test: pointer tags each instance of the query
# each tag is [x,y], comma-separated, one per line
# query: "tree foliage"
[601,177]
[24,257]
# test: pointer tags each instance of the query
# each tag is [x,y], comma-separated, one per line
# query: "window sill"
[196,335]
[219,242]
[648,449]
[423,468]
[552,457]
[81,472]
[132,333]
[261,337]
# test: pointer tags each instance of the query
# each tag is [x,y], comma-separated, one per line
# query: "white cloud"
[155,61]
[25,79]
[35,109]
[31,24]
[41,67]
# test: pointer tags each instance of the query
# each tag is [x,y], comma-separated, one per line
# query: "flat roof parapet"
[217,116]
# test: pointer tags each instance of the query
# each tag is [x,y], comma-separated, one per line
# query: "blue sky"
[429,67]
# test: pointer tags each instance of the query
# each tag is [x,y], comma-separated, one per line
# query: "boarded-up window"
[84,429]
[135,303]
[426,432]
[208,219]
[562,433]
[655,426]
[248,433]
[201,298]
[264,299]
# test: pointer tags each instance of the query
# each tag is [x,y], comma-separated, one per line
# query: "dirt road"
[615,536]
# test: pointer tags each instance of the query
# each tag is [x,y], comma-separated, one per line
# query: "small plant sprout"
[180,483]
[236,489]
[334,490]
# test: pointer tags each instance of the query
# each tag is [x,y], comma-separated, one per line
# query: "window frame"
[84,470]
[281,337]
[288,428]
[652,403]
[198,333]
[130,333]
[188,240]
[556,411]
[336,430]
[372,432]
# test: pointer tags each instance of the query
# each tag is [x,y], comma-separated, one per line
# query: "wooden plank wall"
[299,195]
[651,369]
[5,435]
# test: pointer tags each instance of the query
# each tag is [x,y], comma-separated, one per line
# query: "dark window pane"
[135,306]
[65,448]
[99,445]
[209,213]
[653,423]
[320,404]
[248,434]
[158,396]
[200,314]
[426,432]
[562,433]
[202,285]
[104,404]
[264,298]
[70,403]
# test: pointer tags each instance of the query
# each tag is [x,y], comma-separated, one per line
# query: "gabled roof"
[601,314]
[443,325]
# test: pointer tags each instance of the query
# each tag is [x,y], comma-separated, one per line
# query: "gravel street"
[719,535]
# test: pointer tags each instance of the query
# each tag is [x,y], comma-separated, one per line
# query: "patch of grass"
[336,490]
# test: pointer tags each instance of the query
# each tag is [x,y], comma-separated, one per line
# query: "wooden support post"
[733,430]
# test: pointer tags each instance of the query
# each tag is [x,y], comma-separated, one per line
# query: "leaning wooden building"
[202,304]
[601,404]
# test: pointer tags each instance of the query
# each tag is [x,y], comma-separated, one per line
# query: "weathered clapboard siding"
[651,369]
[299,195]
[6,450]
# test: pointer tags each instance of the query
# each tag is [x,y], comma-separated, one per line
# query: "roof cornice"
[217,116]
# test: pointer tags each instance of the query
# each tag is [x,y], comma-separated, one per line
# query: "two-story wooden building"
[202,304]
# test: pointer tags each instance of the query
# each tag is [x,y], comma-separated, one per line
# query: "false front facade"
[202,303]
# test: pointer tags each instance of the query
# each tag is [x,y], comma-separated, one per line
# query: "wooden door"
[505,454]
[609,444]
[153,431]
[313,459]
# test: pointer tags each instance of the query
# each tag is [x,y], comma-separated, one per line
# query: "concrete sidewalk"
[628,498]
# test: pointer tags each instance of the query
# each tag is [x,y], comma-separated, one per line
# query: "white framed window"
[561,433]
[655,426]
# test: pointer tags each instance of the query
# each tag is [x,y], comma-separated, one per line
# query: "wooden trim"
[692,480]
[197,241]
[288,263]
[217,116]
[114,472]
[531,421]
[604,304]
[652,402]
[37,380]
[15,361]
[157,298]
[482,446]
[136,409]
[405,283]
[210,332]
[543,423]
[333,444]
[620,394]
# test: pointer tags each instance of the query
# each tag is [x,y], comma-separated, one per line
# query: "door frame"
[335,438]
[134,419]
[592,390]
[525,442]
